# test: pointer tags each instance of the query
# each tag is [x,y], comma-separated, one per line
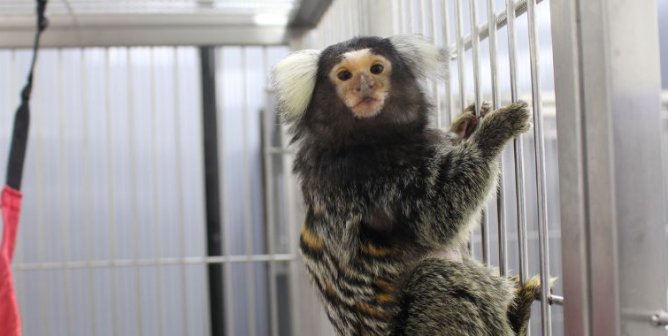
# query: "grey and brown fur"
[384,194]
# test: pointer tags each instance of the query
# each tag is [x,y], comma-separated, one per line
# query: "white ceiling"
[148,22]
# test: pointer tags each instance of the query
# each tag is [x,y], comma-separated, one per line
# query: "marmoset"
[385,193]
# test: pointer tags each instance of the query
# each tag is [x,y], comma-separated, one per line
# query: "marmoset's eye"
[344,75]
[377,69]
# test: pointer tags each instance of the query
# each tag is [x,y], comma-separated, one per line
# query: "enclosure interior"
[113,237]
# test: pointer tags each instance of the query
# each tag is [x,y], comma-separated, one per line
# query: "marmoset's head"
[359,87]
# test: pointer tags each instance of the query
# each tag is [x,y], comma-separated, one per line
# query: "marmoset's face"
[362,81]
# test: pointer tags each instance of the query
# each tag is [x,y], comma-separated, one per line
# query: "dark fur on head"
[328,121]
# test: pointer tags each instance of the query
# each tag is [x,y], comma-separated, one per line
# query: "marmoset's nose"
[365,84]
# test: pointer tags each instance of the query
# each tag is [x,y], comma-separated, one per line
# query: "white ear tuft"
[423,58]
[294,81]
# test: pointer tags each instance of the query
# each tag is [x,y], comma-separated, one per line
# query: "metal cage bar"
[269,203]
[460,54]
[248,224]
[226,230]
[518,147]
[446,44]
[500,202]
[475,50]
[541,191]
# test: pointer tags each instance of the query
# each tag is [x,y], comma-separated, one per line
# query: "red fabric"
[10,321]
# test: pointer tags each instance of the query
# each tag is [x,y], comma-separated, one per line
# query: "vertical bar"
[156,193]
[500,203]
[212,188]
[572,172]
[87,191]
[110,190]
[133,190]
[179,187]
[292,222]
[248,222]
[433,26]
[543,248]
[427,12]
[226,224]
[475,37]
[448,79]
[268,126]
[460,54]
[63,194]
[517,146]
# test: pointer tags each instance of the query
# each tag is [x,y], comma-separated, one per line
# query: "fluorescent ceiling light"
[269,19]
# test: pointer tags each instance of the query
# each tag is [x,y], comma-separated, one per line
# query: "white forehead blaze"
[357,55]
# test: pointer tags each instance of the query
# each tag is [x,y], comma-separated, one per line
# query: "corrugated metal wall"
[112,238]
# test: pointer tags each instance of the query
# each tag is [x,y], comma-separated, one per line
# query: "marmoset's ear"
[424,59]
[294,81]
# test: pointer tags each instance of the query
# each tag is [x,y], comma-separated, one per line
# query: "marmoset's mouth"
[367,107]
[367,100]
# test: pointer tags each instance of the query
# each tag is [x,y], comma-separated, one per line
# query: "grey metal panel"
[571,168]
[607,70]
[635,95]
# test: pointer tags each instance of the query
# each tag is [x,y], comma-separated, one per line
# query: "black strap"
[17,151]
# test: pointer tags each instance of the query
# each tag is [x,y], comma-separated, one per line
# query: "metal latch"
[660,319]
